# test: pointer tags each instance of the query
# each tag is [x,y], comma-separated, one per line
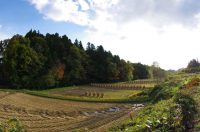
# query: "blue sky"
[19,16]
[166,31]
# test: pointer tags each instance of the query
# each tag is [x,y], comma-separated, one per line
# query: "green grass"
[86,99]
[110,96]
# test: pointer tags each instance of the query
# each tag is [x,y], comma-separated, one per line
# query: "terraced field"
[115,93]
[83,91]
[39,114]
[131,85]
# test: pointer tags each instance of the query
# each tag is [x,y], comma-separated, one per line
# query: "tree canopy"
[193,66]
[43,61]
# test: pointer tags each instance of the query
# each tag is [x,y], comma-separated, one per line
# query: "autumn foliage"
[193,82]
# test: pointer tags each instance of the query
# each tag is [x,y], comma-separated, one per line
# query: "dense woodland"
[43,61]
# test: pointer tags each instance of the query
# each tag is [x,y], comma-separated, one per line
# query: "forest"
[37,61]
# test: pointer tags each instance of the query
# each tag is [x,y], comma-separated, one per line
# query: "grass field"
[91,94]
[108,93]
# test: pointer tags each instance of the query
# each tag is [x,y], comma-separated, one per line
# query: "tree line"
[44,61]
[192,67]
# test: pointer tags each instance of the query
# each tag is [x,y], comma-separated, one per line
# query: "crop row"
[38,123]
[145,82]
[118,86]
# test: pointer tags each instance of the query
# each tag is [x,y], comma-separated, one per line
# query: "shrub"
[188,107]
[156,117]
[163,92]
[13,125]
[193,82]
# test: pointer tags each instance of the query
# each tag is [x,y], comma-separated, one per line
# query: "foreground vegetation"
[12,125]
[174,107]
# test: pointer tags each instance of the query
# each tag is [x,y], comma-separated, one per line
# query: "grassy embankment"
[92,94]
[174,107]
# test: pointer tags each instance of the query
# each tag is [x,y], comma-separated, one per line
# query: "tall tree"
[126,70]
[140,71]
[19,61]
[157,72]
[193,63]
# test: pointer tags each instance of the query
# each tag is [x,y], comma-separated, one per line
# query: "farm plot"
[131,85]
[95,92]
[39,114]
[90,94]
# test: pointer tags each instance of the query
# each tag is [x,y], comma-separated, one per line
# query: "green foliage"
[193,63]
[176,114]
[156,118]
[125,70]
[193,66]
[160,118]
[19,61]
[104,67]
[156,72]
[140,71]
[194,82]
[188,107]
[13,125]
[161,92]
[173,109]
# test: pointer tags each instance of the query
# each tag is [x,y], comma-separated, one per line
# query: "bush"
[13,125]
[156,117]
[172,115]
[193,82]
[161,93]
[188,107]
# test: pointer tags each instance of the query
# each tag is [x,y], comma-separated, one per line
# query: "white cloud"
[144,31]
[81,12]
[172,46]
[39,4]
[64,10]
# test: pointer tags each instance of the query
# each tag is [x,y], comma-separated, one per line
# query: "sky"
[166,31]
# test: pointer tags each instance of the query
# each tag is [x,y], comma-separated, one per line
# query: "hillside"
[174,107]
[49,84]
